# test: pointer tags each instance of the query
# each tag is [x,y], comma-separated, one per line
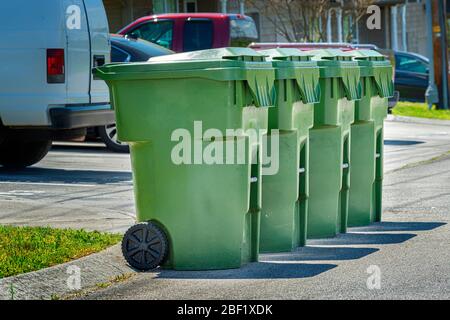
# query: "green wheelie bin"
[285,191]
[329,169]
[189,119]
[366,157]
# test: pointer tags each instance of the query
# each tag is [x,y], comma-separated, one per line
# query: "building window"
[190,6]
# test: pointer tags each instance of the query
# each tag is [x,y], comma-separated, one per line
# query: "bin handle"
[308,84]
[383,81]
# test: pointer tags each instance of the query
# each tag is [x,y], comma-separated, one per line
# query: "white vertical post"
[339,24]
[131,7]
[224,6]
[242,6]
[394,28]
[329,31]
[404,35]
[432,94]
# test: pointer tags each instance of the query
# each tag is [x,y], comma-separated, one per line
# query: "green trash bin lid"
[291,63]
[335,63]
[375,65]
[224,64]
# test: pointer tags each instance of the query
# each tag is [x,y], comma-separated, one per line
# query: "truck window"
[198,35]
[158,31]
[242,31]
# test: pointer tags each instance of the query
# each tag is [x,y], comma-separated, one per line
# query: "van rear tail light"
[55,66]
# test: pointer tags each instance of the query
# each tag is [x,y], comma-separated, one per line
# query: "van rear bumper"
[74,117]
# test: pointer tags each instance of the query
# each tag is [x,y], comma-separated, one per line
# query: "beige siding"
[122,12]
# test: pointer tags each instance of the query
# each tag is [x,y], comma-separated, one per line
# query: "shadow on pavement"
[402,142]
[400,226]
[41,175]
[86,148]
[260,270]
[353,238]
[320,253]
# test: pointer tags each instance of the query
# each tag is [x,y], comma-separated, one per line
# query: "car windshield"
[410,64]
[242,31]
[130,49]
[150,48]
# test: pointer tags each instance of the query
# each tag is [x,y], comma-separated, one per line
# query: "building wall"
[416,27]
[381,37]
[122,12]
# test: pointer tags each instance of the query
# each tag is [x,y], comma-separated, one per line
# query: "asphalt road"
[85,186]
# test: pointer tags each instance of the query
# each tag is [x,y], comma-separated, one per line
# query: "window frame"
[156,21]
[185,5]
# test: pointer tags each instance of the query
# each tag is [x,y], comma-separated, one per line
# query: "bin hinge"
[345,166]
[378,155]
[301,170]
[253,179]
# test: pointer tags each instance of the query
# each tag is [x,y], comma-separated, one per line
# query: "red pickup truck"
[182,32]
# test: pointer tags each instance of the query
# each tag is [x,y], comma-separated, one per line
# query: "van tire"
[19,154]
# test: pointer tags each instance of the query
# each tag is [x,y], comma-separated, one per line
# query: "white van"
[47,89]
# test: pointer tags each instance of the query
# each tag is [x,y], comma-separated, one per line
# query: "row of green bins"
[194,215]
[285,191]
[366,180]
[329,170]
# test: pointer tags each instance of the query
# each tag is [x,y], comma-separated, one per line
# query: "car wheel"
[18,154]
[108,134]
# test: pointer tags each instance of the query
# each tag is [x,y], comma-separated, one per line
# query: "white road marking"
[23,193]
[51,184]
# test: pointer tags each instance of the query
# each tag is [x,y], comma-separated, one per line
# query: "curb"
[435,122]
[52,283]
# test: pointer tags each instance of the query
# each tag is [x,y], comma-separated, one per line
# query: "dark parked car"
[411,76]
[124,49]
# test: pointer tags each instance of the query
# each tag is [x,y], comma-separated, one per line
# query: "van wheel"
[18,154]
[108,134]
[145,246]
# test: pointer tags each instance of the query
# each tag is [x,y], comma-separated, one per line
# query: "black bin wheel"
[145,246]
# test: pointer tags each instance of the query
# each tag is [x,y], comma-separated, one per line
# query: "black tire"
[19,154]
[108,134]
[145,246]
